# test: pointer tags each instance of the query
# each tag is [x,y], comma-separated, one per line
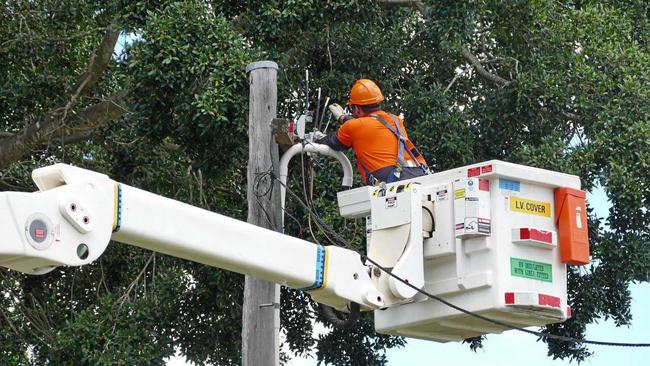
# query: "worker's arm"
[333,142]
[341,139]
[339,113]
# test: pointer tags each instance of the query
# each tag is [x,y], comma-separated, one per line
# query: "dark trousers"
[385,174]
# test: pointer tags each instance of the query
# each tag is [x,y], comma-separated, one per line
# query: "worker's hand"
[337,111]
[317,136]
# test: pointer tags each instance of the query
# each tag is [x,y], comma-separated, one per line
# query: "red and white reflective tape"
[535,237]
[483,185]
[473,172]
[532,299]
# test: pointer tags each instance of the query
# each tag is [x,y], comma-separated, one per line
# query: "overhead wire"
[256,185]
[259,176]
[310,201]
[307,200]
[327,312]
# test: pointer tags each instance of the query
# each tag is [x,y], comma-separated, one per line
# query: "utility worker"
[382,149]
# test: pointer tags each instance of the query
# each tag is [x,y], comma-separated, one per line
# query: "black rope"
[257,180]
[433,221]
[259,177]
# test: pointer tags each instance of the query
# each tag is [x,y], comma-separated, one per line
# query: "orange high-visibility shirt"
[374,145]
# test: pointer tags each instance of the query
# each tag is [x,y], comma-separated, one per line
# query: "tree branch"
[100,113]
[416,4]
[32,36]
[89,119]
[133,284]
[571,116]
[37,133]
[476,64]
[13,148]
[97,63]
[458,75]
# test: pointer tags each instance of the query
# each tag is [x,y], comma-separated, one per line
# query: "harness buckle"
[373,181]
[426,169]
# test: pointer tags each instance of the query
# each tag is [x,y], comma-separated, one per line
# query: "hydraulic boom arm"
[71,220]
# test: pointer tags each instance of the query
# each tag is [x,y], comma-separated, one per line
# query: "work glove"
[337,111]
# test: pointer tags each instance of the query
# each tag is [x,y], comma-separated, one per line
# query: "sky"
[516,348]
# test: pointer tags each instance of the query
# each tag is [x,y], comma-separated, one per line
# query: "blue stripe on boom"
[320,270]
[119,208]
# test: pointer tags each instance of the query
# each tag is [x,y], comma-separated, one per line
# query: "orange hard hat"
[365,92]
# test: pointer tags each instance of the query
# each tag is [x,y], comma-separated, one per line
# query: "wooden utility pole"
[261,308]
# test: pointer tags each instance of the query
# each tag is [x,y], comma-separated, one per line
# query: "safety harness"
[401,147]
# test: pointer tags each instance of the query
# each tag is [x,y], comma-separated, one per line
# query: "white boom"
[71,220]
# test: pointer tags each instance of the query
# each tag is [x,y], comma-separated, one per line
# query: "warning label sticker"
[510,185]
[531,269]
[484,226]
[459,193]
[391,202]
[531,207]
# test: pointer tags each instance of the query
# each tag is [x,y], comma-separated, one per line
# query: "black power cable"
[433,221]
[344,243]
[328,312]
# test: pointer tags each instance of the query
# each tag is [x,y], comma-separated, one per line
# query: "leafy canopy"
[562,86]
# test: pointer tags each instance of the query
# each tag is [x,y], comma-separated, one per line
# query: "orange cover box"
[571,219]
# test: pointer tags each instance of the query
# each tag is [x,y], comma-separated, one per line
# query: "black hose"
[333,318]
[433,221]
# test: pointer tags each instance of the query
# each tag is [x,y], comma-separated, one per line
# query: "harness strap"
[401,143]
[401,146]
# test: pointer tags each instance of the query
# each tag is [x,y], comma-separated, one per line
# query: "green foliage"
[358,346]
[574,96]
[189,83]
[44,47]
